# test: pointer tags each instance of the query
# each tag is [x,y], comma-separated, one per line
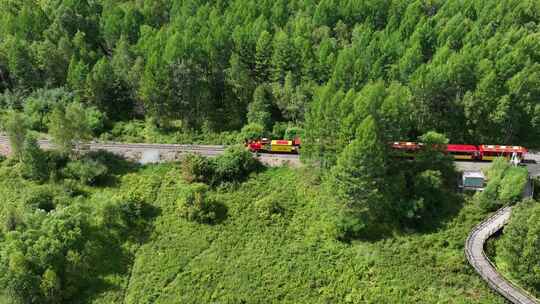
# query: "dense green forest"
[357,224]
[468,69]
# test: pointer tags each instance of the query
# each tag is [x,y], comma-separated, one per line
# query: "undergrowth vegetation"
[148,236]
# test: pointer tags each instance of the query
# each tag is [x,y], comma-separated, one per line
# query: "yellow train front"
[281,146]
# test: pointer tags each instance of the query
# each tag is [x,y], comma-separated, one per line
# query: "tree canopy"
[468,69]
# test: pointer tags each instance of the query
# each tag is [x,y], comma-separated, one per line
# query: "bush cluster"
[87,171]
[505,185]
[234,165]
[197,205]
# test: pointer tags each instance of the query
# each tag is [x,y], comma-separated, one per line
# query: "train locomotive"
[468,152]
[266,145]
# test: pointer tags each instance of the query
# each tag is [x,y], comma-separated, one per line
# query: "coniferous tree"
[34,160]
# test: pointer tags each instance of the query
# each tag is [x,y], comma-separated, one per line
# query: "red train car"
[490,152]
[463,152]
[468,152]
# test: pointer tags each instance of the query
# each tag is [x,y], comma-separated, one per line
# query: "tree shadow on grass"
[221,212]
[443,214]
[117,166]
[111,258]
[354,229]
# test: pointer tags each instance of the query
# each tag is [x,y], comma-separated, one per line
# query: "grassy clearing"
[288,255]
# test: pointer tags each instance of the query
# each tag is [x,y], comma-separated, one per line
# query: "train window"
[461,153]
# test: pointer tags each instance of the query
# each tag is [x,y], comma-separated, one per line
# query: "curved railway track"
[474,249]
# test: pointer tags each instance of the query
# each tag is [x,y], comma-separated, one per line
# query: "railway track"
[474,251]
[171,149]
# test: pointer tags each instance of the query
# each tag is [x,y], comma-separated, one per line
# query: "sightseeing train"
[458,152]
[469,152]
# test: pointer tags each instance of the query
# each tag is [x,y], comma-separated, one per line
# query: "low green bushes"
[517,250]
[234,165]
[197,205]
[86,171]
[197,168]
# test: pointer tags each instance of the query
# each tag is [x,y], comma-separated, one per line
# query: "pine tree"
[359,177]
[263,56]
[34,160]
[259,108]
[282,56]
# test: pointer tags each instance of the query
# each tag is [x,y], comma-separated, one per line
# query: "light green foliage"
[505,185]
[186,61]
[253,131]
[254,258]
[358,177]
[39,105]
[518,248]
[69,126]
[513,184]
[197,168]
[236,164]
[196,205]
[259,108]
[279,215]
[14,124]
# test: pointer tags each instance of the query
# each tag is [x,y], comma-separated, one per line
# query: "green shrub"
[197,168]
[87,171]
[95,119]
[293,132]
[195,205]
[505,185]
[40,198]
[235,165]
[56,161]
[252,131]
[269,208]
[512,185]
[279,130]
[73,188]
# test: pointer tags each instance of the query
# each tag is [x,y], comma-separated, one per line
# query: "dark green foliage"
[518,248]
[34,161]
[359,176]
[235,165]
[41,198]
[86,171]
